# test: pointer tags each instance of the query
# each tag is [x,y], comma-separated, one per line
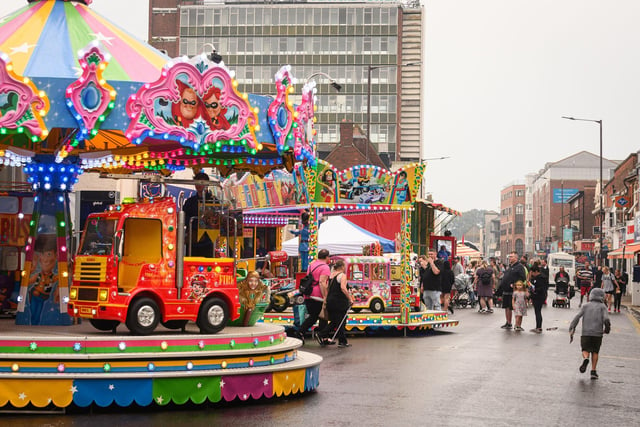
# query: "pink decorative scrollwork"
[303,129]
[280,112]
[22,105]
[200,109]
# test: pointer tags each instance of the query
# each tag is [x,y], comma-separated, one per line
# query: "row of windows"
[251,15]
[383,136]
[292,45]
[508,195]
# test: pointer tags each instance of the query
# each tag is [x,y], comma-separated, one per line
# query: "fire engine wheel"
[143,316]
[376,306]
[104,325]
[213,316]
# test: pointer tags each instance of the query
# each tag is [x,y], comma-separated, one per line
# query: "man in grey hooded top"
[595,322]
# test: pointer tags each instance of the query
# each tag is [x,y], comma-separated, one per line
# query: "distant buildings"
[559,209]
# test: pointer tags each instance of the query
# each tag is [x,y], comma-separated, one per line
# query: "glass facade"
[338,39]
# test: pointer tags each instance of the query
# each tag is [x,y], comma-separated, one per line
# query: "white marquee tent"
[341,236]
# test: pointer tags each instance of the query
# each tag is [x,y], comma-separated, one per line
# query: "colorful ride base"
[57,367]
[419,320]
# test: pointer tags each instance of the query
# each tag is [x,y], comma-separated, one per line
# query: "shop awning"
[629,252]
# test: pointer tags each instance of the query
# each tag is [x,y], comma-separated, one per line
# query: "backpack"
[307,283]
[485,277]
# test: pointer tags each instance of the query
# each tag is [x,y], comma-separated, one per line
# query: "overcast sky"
[499,74]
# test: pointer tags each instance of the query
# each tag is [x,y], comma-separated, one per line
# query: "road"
[474,374]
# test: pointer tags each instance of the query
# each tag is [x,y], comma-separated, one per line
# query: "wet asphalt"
[473,374]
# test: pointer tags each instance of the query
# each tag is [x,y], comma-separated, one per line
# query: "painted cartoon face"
[48,261]
[188,104]
[328,176]
[212,104]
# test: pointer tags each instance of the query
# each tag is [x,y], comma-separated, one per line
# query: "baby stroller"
[563,298]
[464,295]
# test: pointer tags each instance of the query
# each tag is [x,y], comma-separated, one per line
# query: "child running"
[519,303]
[595,321]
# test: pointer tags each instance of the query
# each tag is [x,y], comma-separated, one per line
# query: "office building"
[348,41]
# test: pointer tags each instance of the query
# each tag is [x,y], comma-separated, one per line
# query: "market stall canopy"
[340,236]
[625,252]
[463,250]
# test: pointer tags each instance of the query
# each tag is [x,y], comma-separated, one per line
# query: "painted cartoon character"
[44,280]
[328,182]
[215,111]
[252,291]
[186,110]
[401,189]
[198,287]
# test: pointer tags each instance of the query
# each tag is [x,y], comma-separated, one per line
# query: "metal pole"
[366,147]
[562,215]
[601,195]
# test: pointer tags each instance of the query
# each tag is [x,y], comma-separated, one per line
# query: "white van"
[561,259]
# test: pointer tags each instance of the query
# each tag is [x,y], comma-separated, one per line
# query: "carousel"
[80,95]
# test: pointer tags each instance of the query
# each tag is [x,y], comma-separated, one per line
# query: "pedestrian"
[512,274]
[597,277]
[520,296]
[609,285]
[595,321]
[446,280]
[584,279]
[430,280]
[303,241]
[457,267]
[485,283]
[561,276]
[538,292]
[443,253]
[339,300]
[320,271]
[544,269]
[623,279]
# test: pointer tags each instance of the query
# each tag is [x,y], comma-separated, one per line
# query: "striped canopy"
[43,39]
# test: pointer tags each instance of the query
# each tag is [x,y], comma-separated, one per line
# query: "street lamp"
[601,182]
[334,83]
[370,68]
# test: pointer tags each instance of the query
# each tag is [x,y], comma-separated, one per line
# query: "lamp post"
[334,83]
[370,68]
[601,183]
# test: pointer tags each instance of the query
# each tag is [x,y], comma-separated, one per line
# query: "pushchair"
[463,295]
[563,297]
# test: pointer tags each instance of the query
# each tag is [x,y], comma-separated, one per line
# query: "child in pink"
[519,304]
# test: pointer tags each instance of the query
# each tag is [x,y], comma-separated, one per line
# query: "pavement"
[473,374]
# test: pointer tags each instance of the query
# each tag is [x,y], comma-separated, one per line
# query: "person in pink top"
[320,271]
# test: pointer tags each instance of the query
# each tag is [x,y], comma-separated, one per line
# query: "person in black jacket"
[512,274]
[446,283]
[539,289]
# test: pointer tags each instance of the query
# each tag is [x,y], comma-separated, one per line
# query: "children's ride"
[375,283]
[130,269]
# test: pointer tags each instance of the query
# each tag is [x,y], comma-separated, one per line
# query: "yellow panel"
[285,383]
[40,393]
[143,240]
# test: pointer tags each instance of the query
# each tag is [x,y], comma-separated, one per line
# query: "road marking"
[634,321]
[618,357]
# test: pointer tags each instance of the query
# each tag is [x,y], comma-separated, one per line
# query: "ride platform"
[419,320]
[56,367]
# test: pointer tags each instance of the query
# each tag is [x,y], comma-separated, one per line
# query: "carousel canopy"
[76,86]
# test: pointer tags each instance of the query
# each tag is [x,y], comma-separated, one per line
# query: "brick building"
[512,224]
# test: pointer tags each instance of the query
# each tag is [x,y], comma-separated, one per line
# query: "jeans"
[432,299]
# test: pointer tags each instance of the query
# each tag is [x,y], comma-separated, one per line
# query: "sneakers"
[319,340]
[518,329]
[536,330]
[490,310]
[346,344]
[451,309]
[583,367]
[482,310]
[594,375]
[506,326]
[299,335]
